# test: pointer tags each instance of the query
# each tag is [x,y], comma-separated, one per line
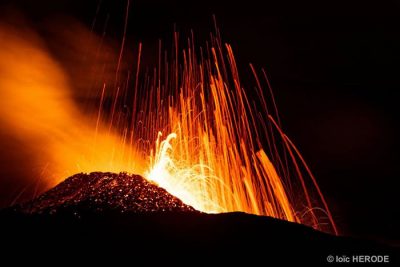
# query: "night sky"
[334,68]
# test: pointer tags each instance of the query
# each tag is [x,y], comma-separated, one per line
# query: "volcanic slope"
[123,217]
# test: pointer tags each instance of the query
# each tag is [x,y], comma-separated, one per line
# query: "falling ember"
[209,137]
[192,129]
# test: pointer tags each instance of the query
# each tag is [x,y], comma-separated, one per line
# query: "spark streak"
[224,149]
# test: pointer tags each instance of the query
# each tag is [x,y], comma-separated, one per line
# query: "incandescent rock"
[100,192]
[122,217]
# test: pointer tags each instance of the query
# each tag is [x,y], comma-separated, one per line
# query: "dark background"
[334,69]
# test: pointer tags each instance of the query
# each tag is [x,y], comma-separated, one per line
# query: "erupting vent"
[188,125]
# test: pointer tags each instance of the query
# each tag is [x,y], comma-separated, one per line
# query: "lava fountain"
[189,125]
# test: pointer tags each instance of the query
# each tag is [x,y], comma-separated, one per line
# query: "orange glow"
[38,109]
[192,128]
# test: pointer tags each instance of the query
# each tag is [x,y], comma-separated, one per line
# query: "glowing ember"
[223,150]
[213,156]
[101,192]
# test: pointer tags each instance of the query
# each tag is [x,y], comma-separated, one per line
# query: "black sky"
[334,69]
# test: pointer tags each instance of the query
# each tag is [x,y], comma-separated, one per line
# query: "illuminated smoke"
[190,127]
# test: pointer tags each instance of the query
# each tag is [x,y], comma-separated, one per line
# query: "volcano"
[125,217]
[100,192]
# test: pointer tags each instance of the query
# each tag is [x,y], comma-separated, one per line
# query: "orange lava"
[191,128]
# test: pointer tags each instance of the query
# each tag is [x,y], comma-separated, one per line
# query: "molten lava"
[191,128]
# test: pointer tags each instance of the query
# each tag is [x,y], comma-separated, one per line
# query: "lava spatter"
[100,192]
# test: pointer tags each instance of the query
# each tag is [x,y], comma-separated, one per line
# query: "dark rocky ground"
[123,218]
[100,192]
